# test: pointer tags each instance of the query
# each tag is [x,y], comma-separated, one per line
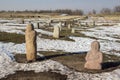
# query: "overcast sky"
[85,5]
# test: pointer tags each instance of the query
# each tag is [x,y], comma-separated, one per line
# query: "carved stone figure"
[30,38]
[94,57]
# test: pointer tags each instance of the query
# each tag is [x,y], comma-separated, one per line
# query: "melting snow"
[107,37]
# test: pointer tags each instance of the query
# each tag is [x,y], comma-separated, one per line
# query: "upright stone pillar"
[69,26]
[94,23]
[56,32]
[73,30]
[36,25]
[60,26]
[30,38]
[86,24]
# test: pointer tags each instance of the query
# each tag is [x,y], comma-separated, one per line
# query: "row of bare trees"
[110,11]
[60,11]
[115,10]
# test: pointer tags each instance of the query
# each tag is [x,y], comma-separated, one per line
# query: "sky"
[85,5]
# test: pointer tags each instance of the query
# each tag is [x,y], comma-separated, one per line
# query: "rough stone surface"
[118,24]
[73,30]
[56,32]
[94,57]
[69,26]
[36,25]
[30,38]
[60,26]
[21,21]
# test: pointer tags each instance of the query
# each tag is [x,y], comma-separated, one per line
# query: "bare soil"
[31,75]
[75,61]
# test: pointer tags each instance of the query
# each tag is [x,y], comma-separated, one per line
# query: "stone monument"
[94,57]
[30,38]
[56,32]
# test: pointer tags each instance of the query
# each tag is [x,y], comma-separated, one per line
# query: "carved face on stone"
[29,27]
[95,46]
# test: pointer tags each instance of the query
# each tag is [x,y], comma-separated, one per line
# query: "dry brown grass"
[12,37]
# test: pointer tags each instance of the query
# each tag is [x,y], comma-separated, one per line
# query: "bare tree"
[106,11]
[93,11]
[117,9]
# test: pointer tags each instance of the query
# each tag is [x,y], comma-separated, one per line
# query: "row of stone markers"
[94,57]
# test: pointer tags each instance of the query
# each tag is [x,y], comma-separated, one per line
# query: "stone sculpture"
[73,30]
[30,38]
[94,57]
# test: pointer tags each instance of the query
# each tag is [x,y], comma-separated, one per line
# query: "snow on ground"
[107,40]
[108,36]
[72,75]
[108,33]
[7,21]
[44,32]
[9,67]
[80,44]
[19,29]
[12,29]
[6,63]
[110,47]
[12,47]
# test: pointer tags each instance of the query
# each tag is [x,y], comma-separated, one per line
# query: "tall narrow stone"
[94,23]
[86,24]
[49,23]
[73,30]
[30,38]
[56,32]
[94,57]
[36,25]
[118,24]
[60,26]
[69,26]
[22,21]
[80,23]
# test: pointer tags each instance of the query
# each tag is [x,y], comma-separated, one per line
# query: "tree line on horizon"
[60,11]
[115,10]
[107,11]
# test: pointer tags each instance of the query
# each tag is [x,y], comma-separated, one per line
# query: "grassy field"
[12,37]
